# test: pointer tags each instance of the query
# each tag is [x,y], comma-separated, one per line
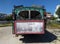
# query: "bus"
[29,20]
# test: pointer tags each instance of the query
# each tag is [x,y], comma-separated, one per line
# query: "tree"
[2,16]
[58,12]
[9,18]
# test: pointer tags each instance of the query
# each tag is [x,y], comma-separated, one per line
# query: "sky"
[6,6]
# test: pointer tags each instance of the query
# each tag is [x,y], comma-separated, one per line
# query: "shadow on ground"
[47,37]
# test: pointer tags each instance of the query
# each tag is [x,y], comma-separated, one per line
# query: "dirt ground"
[51,36]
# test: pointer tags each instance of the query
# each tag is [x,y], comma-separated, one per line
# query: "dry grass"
[53,25]
[4,25]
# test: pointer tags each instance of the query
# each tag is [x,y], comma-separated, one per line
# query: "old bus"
[29,20]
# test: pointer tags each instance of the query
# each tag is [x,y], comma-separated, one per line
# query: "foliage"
[53,25]
[58,12]
[8,18]
[53,18]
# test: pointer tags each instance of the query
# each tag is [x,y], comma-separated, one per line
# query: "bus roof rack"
[18,6]
[35,6]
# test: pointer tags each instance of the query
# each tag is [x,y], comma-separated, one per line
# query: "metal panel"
[29,27]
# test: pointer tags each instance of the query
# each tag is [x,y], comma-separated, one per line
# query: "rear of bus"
[28,20]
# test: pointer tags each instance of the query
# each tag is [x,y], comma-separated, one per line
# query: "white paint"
[33,26]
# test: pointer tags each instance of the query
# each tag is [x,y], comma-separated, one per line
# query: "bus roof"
[26,8]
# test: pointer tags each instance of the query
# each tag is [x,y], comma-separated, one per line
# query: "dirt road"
[50,37]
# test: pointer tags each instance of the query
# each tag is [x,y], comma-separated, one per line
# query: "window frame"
[29,15]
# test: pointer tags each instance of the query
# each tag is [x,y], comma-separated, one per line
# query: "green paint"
[26,9]
[17,10]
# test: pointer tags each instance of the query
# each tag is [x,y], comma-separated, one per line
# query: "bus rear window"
[23,15]
[35,15]
[29,15]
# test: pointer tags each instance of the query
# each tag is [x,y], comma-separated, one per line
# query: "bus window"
[23,15]
[32,15]
[35,15]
